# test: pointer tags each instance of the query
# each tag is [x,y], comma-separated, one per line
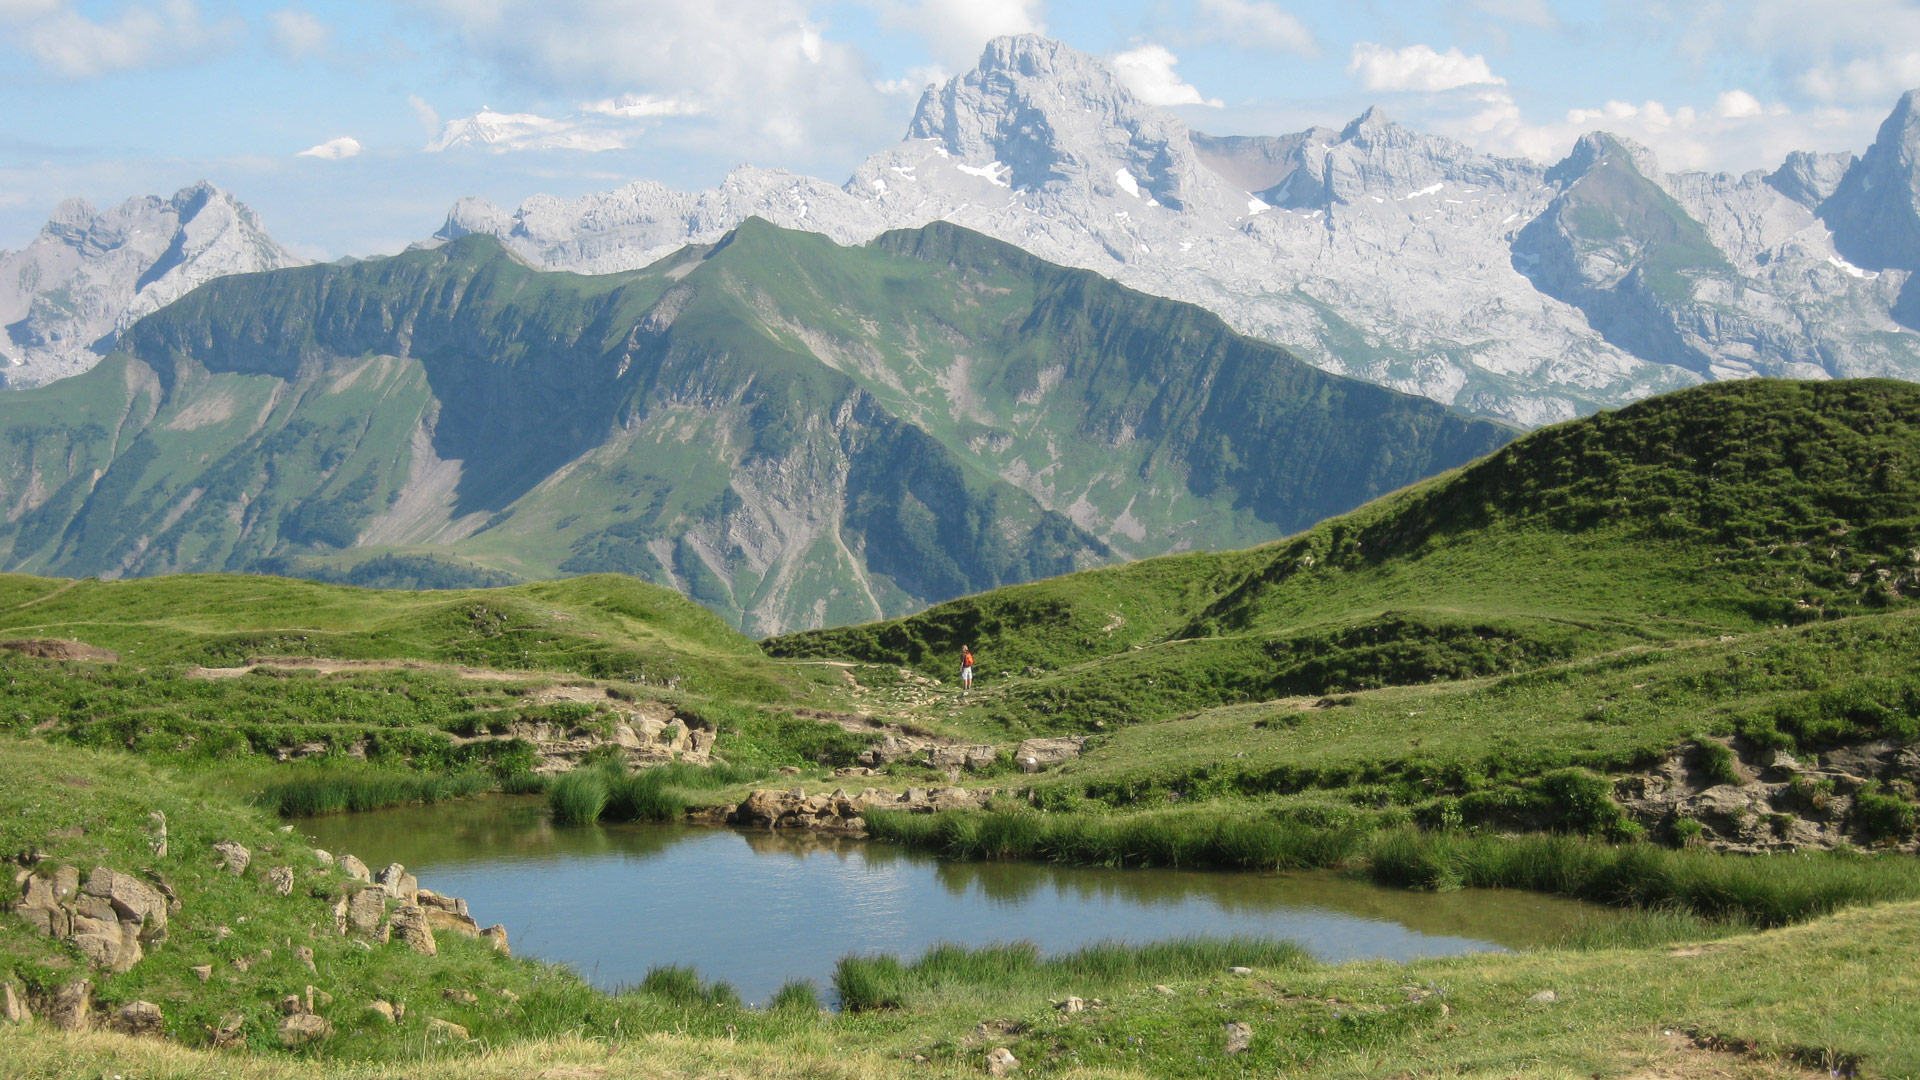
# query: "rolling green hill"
[1726,509]
[792,433]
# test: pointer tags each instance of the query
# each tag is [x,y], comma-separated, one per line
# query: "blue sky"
[343,124]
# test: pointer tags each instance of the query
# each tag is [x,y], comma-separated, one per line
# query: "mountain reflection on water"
[757,908]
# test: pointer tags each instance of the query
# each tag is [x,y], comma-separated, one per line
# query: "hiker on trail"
[966,667]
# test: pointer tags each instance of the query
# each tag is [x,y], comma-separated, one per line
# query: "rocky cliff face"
[794,433]
[1373,251]
[66,297]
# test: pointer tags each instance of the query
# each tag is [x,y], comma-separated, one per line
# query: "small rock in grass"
[280,880]
[13,1005]
[139,1018]
[305,956]
[1241,970]
[509,995]
[446,1029]
[1001,1062]
[292,1005]
[1545,997]
[1239,1036]
[381,1009]
[229,1034]
[233,856]
[463,997]
[325,858]
[1073,1005]
[356,869]
[204,971]
[1162,988]
[304,1028]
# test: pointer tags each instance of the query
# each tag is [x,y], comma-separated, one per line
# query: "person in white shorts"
[966,667]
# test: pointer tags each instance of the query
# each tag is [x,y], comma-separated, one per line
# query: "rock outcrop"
[840,811]
[1776,802]
[112,919]
[1037,755]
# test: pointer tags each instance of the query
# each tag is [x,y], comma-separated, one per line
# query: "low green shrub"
[1882,817]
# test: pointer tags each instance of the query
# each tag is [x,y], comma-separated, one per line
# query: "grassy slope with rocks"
[790,432]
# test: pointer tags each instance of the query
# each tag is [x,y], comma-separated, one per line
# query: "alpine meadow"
[1082,598]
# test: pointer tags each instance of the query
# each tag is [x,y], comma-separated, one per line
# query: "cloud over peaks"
[1148,72]
[1418,67]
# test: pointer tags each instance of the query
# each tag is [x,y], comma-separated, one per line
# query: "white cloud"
[501,132]
[1148,72]
[428,115]
[1418,67]
[637,106]
[916,81]
[955,30]
[763,71]
[1255,24]
[297,34]
[69,43]
[345,146]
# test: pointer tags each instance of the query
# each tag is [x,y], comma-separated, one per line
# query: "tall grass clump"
[883,982]
[680,985]
[334,793]
[578,797]
[1246,841]
[1647,928]
[1764,890]
[795,995]
[606,791]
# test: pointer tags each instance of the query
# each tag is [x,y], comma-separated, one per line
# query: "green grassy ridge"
[1725,508]
[604,626]
[1802,689]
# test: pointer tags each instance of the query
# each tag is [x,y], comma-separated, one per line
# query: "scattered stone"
[157,834]
[509,995]
[1240,970]
[317,999]
[446,1030]
[229,1036]
[280,880]
[234,856]
[222,933]
[325,858]
[293,1005]
[139,1018]
[459,996]
[1239,1037]
[355,869]
[1545,997]
[302,1028]
[410,926]
[243,963]
[204,971]
[1162,988]
[305,956]
[398,883]
[496,936]
[365,911]
[1073,1005]
[71,1003]
[1001,1062]
[13,1005]
[381,1009]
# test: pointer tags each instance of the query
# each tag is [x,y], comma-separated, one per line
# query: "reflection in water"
[758,908]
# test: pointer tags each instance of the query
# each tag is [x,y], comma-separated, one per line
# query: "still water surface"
[758,908]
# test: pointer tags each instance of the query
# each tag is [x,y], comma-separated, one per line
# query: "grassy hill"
[790,432]
[1725,509]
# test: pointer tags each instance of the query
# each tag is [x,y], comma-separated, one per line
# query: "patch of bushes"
[1882,817]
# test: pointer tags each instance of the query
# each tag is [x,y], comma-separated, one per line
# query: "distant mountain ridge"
[791,432]
[1404,259]
[90,274]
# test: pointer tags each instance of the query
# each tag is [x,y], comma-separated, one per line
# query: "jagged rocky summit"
[90,274]
[1410,260]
